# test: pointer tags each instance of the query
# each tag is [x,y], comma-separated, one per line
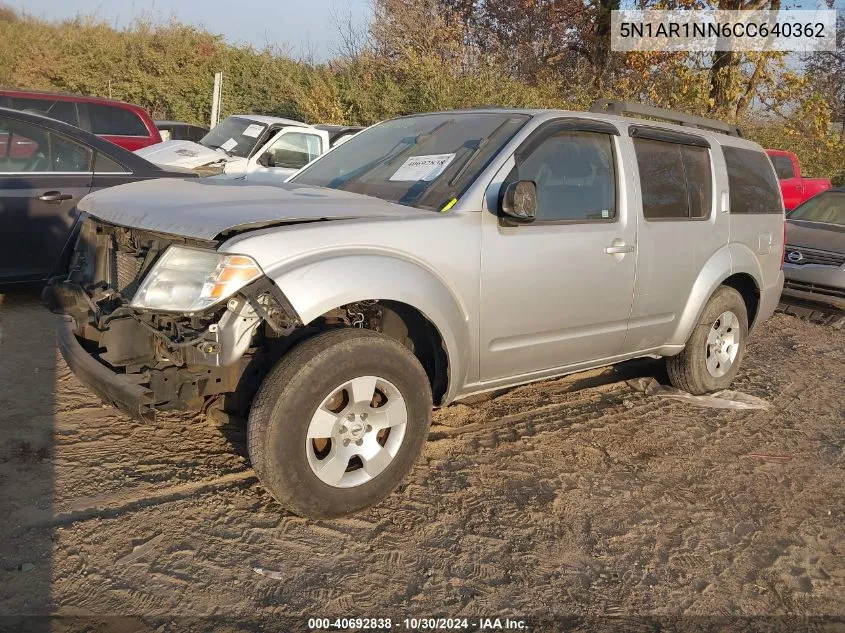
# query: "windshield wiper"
[459,166]
[390,157]
[471,156]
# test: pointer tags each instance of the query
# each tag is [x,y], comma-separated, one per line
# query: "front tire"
[338,422]
[713,353]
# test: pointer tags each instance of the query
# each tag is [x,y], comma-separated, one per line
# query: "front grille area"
[830,291]
[127,267]
[115,258]
[812,256]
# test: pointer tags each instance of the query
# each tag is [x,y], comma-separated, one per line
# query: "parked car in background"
[123,124]
[794,187]
[245,144]
[814,265]
[427,258]
[180,131]
[339,133]
[46,167]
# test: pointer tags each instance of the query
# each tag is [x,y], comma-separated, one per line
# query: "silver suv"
[428,258]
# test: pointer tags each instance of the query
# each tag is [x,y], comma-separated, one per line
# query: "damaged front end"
[146,359]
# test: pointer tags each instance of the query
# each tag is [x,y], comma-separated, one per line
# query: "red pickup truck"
[794,187]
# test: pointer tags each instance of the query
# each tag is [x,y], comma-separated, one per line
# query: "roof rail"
[622,108]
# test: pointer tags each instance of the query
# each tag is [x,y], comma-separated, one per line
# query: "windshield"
[421,161]
[235,136]
[826,207]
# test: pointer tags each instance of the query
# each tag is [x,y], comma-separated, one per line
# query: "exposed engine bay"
[181,358]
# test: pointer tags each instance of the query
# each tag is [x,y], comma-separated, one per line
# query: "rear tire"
[713,353]
[320,434]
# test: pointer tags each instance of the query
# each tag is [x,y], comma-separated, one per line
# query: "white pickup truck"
[261,146]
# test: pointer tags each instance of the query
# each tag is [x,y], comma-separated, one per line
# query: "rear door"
[42,176]
[680,228]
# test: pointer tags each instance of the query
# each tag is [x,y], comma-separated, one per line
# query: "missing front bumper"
[112,388]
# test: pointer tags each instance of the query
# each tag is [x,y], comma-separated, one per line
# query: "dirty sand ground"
[577,496]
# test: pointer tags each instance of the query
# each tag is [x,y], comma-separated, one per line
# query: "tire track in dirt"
[577,495]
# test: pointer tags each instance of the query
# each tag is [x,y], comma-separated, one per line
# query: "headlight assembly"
[191,279]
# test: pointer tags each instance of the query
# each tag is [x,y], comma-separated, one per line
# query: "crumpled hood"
[822,237]
[182,154]
[203,208]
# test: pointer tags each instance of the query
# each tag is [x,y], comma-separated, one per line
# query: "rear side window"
[60,110]
[754,188]
[115,121]
[783,167]
[675,180]
[105,165]
[699,183]
[68,155]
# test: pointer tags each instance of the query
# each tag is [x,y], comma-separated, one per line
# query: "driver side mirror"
[267,160]
[518,201]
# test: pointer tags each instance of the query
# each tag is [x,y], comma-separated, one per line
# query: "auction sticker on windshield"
[228,145]
[253,130]
[425,168]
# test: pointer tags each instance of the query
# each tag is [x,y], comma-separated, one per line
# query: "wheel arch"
[734,267]
[422,300]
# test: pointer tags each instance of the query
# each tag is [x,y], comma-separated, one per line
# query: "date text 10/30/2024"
[418,624]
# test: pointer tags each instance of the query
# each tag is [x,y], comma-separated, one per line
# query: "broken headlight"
[192,279]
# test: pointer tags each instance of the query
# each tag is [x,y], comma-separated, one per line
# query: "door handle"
[54,197]
[619,249]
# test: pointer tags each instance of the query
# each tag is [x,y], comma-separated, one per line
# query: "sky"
[304,27]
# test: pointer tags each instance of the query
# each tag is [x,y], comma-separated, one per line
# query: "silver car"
[428,258]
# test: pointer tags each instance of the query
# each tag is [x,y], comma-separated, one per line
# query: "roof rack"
[622,108]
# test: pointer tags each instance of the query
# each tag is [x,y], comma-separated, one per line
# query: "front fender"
[316,287]
[731,259]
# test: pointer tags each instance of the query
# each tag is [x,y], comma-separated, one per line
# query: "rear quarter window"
[783,167]
[753,185]
[105,165]
[115,121]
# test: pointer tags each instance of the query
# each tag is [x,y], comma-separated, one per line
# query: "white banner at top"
[801,31]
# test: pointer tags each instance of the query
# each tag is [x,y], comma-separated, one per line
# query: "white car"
[245,144]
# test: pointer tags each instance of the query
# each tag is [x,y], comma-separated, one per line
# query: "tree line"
[520,53]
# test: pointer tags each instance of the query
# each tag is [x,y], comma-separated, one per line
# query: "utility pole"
[216,98]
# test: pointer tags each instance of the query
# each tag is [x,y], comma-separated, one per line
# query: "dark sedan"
[46,167]
[814,265]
